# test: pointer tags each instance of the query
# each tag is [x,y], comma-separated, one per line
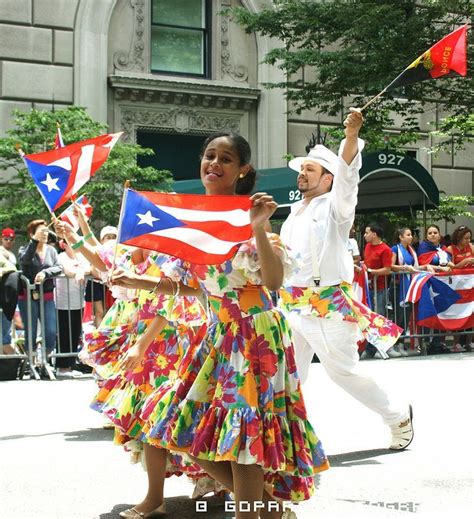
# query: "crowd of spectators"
[57,293]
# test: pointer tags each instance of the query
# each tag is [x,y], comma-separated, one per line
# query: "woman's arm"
[164,285]
[271,266]
[78,244]
[133,358]
[89,236]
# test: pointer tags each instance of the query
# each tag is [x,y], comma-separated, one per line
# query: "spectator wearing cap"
[39,263]
[6,248]
[317,299]
[109,232]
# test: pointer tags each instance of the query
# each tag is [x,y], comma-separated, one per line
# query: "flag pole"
[126,186]
[373,99]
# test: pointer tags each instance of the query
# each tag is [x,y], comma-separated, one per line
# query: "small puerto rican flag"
[201,229]
[68,215]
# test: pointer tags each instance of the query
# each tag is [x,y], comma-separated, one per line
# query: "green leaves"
[351,50]
[35,131]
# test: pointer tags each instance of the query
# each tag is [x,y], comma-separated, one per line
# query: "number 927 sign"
[390,159]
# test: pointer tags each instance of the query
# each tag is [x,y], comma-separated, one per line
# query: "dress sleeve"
[246,259]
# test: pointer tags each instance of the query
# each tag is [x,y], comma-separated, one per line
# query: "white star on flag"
[147,218]
[51,183]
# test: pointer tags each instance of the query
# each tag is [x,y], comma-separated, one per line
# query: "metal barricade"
[389,305]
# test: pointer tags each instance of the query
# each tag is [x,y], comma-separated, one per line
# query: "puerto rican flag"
[360,286]
[68,214]
[60,173]
[201,229]
[445,301]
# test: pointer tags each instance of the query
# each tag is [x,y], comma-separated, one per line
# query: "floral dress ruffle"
[123,394]
[102,344]
[339,303]
[237,396]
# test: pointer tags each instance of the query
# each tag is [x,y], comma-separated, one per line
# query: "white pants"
[335,344]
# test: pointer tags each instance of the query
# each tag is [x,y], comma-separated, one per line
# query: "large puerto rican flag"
[445,301]
[202,229]
[60,173]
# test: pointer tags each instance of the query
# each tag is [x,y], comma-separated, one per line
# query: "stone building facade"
[101,54]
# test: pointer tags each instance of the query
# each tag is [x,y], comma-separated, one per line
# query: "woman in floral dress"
[162,329]
[236,406]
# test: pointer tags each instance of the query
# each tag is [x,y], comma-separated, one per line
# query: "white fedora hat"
[321,155]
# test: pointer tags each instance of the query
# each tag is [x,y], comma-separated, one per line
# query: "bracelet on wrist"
[155,288]
[78,244]
[89,235]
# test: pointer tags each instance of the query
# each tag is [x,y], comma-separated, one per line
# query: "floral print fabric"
[338,302]
[237,396]
[123,393]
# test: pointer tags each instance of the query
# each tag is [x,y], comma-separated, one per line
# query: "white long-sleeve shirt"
[329,217]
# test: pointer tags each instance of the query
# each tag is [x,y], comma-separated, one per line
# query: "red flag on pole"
[446,58]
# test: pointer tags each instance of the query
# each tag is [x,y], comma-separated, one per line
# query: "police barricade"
[14,354]
[23,345]
[389,300]
[60,315]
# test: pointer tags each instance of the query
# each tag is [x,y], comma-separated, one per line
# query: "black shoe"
[83,368]
[438,349]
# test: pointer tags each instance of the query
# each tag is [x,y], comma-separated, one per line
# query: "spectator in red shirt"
[378,260]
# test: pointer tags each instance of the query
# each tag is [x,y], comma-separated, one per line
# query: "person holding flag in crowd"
[317,300]
[240,386]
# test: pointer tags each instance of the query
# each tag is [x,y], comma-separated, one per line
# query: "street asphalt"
[56,460]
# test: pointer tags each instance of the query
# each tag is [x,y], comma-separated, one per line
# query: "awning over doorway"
[392,181]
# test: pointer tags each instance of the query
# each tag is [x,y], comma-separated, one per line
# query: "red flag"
[202,229]
[446,58]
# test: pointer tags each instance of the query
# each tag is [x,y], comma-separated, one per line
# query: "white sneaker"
[393,353]
[457,348]
[64,374]
[402,434]
[289,514]
[400,349]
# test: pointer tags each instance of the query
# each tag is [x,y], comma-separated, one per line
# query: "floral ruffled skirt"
[237,397]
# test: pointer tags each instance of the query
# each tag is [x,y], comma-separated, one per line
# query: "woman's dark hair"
[400,232]
[241,147]
[33,225]
[459,233]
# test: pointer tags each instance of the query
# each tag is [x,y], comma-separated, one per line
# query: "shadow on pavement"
[89,435]
[86,435]
[352,459]
[182,507]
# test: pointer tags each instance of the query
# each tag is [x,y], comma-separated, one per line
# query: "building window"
[176,153]
[180,37]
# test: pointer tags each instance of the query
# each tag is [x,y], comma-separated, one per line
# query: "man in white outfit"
[317,231]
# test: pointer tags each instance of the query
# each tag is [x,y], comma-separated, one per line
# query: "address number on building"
[294,195]
[390,159]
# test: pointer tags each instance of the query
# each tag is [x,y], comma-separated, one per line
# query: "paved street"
[58,462]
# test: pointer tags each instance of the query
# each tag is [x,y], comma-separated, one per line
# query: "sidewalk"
[58,462]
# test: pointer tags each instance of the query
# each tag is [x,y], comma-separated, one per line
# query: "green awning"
[391,181]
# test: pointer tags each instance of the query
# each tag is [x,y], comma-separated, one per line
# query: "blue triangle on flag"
[51,180]
[141,216]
